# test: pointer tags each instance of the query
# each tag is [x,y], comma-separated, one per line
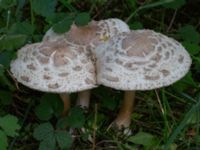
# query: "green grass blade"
[68,6]
[166,108]
[182,124]
[147,6]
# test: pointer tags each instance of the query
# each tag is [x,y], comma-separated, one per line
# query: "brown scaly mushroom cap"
[54,67]
[141,60]
[90,35]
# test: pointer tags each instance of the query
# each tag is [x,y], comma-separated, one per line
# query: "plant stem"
[32,14]
[172,20]
[8,19]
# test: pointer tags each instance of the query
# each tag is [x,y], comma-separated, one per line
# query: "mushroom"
[139,60]
[89,37]
[55,67]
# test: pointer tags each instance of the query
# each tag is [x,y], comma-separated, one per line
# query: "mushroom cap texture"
[93,34]
[54,67]
[141,60]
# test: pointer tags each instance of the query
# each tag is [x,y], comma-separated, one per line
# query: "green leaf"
[194,118]
[109,102]
[197,64]
[6,57]
[144,139]
[132,4]
[21,3]
[12,42]
[197,138]
[9,125]
[44,111]
[82,19]
[136,25]
[44,7]
[192,48]
[175,4]
[62,123]
[3,141]
[188,79]
[189,34]
[50,104]
[68,5]
[2,70]
[49,143]
[64,139]
[22,28]
[136,116]
[5,4]
[6,97]
[43,131]
[56,103]
[55,18]
[63,25]
[4,80]
[184,83]
[75,119]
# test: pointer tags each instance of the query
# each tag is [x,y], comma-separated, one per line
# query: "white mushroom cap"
[78,35]
[54,67]
[141,60]
[90,35]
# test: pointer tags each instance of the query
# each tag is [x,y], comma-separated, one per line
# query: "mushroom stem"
[83,99]
[124,116]
[66,102]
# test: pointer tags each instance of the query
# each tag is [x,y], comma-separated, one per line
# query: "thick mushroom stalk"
[123,119]
[66,102]
[83,99]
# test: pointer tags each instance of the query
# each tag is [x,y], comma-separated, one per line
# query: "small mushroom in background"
[55,67]
[139,60]
[88,37]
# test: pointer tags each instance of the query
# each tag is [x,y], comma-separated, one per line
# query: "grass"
[166,118]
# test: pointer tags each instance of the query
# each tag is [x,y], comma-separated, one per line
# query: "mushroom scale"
[54,67]
[141,60]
